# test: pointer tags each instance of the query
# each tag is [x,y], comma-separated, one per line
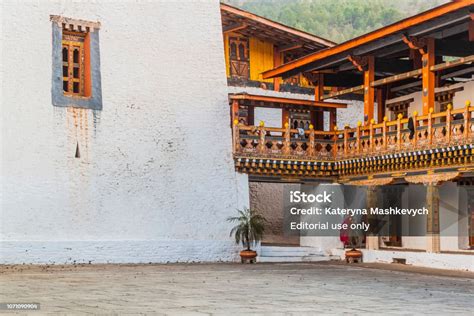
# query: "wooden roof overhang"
[448,24]
[279,102]
[284,37]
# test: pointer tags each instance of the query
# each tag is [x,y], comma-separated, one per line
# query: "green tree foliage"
[336,20]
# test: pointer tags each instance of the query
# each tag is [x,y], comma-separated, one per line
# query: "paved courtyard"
[319,288]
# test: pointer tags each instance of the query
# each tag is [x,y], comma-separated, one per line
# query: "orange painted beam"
[285,101]
[428,76]
[369,93]
[375,35]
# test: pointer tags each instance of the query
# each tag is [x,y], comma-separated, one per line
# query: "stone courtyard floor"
[235,289]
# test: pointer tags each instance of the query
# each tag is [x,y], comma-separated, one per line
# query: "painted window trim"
[92,97]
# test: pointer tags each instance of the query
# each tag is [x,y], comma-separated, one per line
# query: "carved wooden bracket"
[311,77]
[372,182]
[360,62]
[432,178]
[415,43]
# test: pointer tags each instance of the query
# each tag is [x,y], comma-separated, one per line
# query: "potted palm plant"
[248,231]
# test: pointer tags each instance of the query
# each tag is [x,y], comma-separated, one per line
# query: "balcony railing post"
[359,123]
[430,126]
[286,142]
[261,138]
[236,136]
[467,120]
[311,141]
[334,148]
[346,136]
[371,135]
[384,132]
[448,123]
[399,131]
[415,126]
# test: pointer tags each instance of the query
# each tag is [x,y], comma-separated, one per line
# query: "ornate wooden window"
[239,57]
[76,77]
[74,63]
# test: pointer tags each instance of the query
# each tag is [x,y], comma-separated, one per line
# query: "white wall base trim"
[459,262]
[119,251]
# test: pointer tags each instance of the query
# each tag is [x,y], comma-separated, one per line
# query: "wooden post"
[358,137]
[346,136]
[430,126]
[371,135]
[448,124]
[432,220]
[384,133]
[467,120]
[471,28]
[415,125]
[334,147]
[285,117]
[311,141]
[276,63]
[381,97]
[332,119]
[369,76]
[261,138]
[234,111]
[286,141]
[251,115]
[399,132]
[428,77]
[319,87]
[372,241]
[236,136]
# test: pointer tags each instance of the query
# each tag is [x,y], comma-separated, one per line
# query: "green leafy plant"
[249,229]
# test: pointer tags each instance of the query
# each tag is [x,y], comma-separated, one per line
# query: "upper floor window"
[76,63]
[239,57]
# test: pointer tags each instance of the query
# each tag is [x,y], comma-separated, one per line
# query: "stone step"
[293,259]
[279,251]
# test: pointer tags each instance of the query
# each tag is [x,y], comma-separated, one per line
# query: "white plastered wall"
[155,181]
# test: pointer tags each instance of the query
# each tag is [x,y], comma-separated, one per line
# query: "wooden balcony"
[437,142]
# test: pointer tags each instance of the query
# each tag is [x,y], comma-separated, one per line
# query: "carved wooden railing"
[434,130]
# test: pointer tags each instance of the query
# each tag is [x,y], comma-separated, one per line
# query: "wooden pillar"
[416,57]
[251,115]
[371,241]
[276,63]
[471,28]
[380,104]
[369,76]
[234,112]
[428,77]
[285,117]
[432,220]
[332,119]
[317,119]
[319,87]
